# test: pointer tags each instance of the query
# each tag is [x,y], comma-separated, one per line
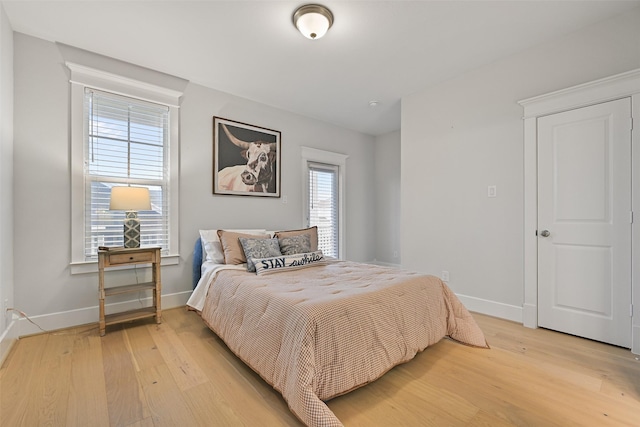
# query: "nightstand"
[119,257]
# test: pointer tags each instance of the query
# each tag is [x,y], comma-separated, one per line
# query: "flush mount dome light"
[313,20]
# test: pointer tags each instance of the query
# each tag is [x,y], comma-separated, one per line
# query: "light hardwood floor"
[180,374]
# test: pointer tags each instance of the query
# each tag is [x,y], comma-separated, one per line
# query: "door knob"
[545,233]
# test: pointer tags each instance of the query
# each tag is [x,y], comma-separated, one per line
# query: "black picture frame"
[246,159]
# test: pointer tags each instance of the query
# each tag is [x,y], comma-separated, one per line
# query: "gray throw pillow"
[300,244]
[259,248]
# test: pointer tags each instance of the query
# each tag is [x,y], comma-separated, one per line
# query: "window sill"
[92,266]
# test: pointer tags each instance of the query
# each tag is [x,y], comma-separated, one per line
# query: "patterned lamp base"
[131,230]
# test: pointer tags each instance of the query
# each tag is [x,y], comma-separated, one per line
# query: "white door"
[584,222]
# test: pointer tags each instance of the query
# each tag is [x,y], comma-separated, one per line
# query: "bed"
[318,332]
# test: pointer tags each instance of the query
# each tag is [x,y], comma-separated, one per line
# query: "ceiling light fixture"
[313,20]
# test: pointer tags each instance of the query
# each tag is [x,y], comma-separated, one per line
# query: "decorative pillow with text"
[288,262]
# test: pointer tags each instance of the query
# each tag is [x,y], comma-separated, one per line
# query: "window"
[324,206]
[324,173]
[123,132]
[125,144]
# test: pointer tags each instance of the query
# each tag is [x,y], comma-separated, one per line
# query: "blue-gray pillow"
[259,248]
[300,244]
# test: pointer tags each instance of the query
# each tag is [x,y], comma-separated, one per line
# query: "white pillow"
[211,243]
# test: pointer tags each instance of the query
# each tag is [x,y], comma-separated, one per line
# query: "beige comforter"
[319,332]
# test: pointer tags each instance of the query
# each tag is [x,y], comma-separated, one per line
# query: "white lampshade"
[313,20]
[130,199]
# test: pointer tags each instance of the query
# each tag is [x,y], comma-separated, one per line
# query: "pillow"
[258,248]
[233,253]
[288,262]
[298,244]
[211,247]
[311,231]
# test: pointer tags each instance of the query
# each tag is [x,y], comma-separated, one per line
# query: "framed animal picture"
[246,159]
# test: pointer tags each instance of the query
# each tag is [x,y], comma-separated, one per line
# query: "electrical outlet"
[395,254]
[445,276]
[492,191]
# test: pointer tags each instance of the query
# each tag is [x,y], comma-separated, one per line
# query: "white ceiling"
[376,50]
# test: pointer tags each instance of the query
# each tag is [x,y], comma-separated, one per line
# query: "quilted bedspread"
[320,332]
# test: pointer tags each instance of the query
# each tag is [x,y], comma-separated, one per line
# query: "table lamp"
[131,200]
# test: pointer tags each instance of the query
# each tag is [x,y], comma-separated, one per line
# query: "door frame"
[624,85]
[314,155]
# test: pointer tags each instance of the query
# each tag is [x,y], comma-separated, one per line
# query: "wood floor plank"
[210,407]
[181,364]
[50,384]
[146,422]
[87,401]
[483,419]
[167,407]
[125,403]
[18,375]
[144,351]
[425,397]
[180,319]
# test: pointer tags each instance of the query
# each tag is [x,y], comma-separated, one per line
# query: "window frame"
[314,155]
[85,77]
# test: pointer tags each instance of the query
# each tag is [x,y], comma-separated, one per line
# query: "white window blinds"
[323,206]
[126,143]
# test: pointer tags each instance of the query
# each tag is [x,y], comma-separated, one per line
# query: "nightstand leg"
[101,321]
[157,292]
[101,296]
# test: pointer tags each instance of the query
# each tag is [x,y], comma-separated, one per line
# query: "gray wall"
[6,180]
[44,287]
[466,134]
[387,185]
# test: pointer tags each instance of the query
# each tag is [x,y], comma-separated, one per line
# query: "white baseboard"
[88,315]
[385,264]
[492,308]
[8,339]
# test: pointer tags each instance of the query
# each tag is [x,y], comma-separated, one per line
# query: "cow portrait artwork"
[246,159]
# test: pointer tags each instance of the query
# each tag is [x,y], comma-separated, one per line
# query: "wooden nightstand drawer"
[116,258]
